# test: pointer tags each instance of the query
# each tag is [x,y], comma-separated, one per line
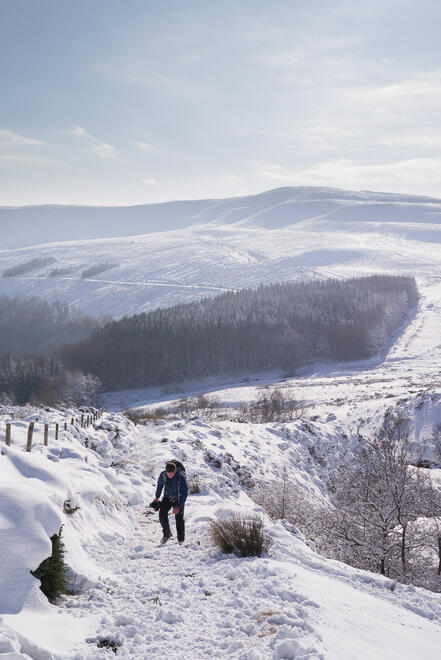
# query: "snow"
[284,234]
[192,601]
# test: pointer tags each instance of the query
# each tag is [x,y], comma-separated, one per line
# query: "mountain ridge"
[24,226]
[284,234]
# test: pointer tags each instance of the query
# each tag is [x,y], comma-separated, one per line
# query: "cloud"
[80,132]
[98,148]
[425,141]
[321,133]
[26,159]
[103,150]
[425,84]
[11,139]
[399,175]
[19,149]
[150,182]
[145,146]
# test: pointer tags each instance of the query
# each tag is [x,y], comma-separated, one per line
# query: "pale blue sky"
[130,101]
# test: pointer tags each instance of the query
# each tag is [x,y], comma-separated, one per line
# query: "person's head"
[170,469]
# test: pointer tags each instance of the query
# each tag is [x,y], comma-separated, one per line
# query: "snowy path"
[191,601]
[145,283]
[194,602]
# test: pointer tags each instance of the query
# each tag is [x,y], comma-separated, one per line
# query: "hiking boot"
[181,542]
[165,538]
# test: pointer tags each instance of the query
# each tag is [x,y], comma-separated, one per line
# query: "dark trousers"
[165,507]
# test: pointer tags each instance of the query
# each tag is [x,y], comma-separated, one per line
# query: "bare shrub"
[185,408]
[206,405]
[283,500]
[203,405]
[272,406]
[134,415]
[142,416]
[244,536]
[384,506]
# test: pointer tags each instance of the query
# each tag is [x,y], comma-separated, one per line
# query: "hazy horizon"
[209,198]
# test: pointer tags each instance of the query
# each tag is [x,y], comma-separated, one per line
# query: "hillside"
[144,598]
[204,248]
[280,326]
[132,592]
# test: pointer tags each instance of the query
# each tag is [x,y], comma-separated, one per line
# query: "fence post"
[30,434]
[82,421]
[46,434]
[8,435]
[65,426]
[56,431]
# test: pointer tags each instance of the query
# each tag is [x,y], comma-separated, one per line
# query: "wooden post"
[56,431]
[8,435]
[65,426]
[30,434]
[46,434]
[82,421]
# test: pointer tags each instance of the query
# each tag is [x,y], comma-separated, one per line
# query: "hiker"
[172,479]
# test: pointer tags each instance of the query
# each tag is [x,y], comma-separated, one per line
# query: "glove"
[155,505]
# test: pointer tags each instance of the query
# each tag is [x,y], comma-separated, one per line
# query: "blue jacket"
[175,489]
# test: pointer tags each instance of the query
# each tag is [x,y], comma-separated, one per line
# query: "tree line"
[30,330]
[31,326]
[45,380]
[278,326]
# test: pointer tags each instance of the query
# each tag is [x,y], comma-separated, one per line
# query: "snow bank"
[68,484]
[148,600]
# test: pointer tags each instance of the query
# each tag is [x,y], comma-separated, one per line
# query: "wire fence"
[53,429]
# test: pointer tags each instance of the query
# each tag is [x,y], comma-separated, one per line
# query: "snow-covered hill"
[188,601]
[203,248]
[192,601]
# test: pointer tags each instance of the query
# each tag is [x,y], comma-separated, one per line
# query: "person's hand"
[156,499]
[175,510]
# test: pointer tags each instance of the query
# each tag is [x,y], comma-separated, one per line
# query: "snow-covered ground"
[185,601]
[284,234]
[349,391]
[191,601]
